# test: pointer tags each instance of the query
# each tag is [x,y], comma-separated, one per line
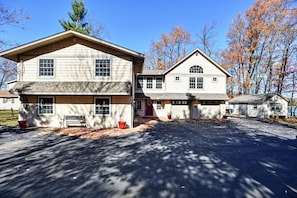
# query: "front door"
[148,108]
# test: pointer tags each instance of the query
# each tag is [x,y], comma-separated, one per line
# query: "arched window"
[196,69]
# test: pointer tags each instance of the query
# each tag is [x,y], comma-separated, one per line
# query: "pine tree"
[77,22]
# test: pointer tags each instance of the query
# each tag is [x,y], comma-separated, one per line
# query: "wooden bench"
[75,120]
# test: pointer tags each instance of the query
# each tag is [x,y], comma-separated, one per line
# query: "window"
[46,67]
[275,106]
[159,83]
[149,83]
[196,69]
[214,79]
[45,105]
[255,107]
[140,82]
[102,67]
[102,106]
[138,105]
[199,83]
[180,102]
[177,78]
[193,85]
[159,104]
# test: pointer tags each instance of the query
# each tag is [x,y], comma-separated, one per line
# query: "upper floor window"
[159,83]
[140,82]
[102,67]
[196,69]
[149,83]
[177,78]
[46,105]
[196,83]
[102,106]
[46,67]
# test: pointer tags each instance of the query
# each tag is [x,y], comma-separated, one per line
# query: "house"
[260,106]
[8,100]
[73,74]
[195,87]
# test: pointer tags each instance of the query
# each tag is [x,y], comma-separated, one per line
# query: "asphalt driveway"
[236,158]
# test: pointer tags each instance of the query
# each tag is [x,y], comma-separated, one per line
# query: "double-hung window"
[102,67]
[149,83]
[196,83]
[159,83]
[102,106]
[199,83]
[46,105]
[159,104]
[46,67]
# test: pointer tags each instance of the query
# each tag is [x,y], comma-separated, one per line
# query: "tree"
[77,17]
[261,46]
[206,37]
[169,49]
[12,18]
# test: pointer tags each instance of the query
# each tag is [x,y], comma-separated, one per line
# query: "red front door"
[148,108]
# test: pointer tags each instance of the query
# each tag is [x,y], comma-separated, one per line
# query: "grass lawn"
[8,118]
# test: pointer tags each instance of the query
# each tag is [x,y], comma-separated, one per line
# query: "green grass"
[7,118]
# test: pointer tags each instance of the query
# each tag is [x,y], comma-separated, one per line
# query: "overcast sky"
[130,23]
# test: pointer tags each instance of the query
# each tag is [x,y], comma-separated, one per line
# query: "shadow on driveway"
[175,159]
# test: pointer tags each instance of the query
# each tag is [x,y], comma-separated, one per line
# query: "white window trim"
[147,83]
[157,84]
[137,83]
[38,67]
[110,68]
[54,105]
[179,78]
[157,105]
[110,105]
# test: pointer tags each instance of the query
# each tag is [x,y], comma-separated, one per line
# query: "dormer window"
[196,69]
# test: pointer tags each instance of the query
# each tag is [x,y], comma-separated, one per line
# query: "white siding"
[209,72]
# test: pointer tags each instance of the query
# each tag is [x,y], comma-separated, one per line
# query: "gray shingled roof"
[252,99]
[72,88]
[181,96]
[152,72]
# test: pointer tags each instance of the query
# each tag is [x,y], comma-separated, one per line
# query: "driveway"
[234,158]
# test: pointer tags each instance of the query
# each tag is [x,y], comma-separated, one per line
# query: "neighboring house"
[260,106]
[74,74]
[195,87]
[8,100]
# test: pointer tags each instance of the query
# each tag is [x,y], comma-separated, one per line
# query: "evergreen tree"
[77,22]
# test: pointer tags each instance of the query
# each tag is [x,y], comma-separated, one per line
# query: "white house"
[73,74]
[8,100]
[195,87]
[260,106]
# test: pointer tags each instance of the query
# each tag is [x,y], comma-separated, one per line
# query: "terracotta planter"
[169,117]
[122,124]
[23,124]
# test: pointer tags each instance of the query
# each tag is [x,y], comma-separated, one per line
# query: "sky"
[129,23]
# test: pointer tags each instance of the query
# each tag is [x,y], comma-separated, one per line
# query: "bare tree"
[206,38]
[9,18]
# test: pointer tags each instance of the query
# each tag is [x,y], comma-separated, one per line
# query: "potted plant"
[122,124]
[23,124]
[169,116]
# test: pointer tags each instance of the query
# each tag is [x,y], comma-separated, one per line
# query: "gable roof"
[204,55]
[14,53]
[254,99]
